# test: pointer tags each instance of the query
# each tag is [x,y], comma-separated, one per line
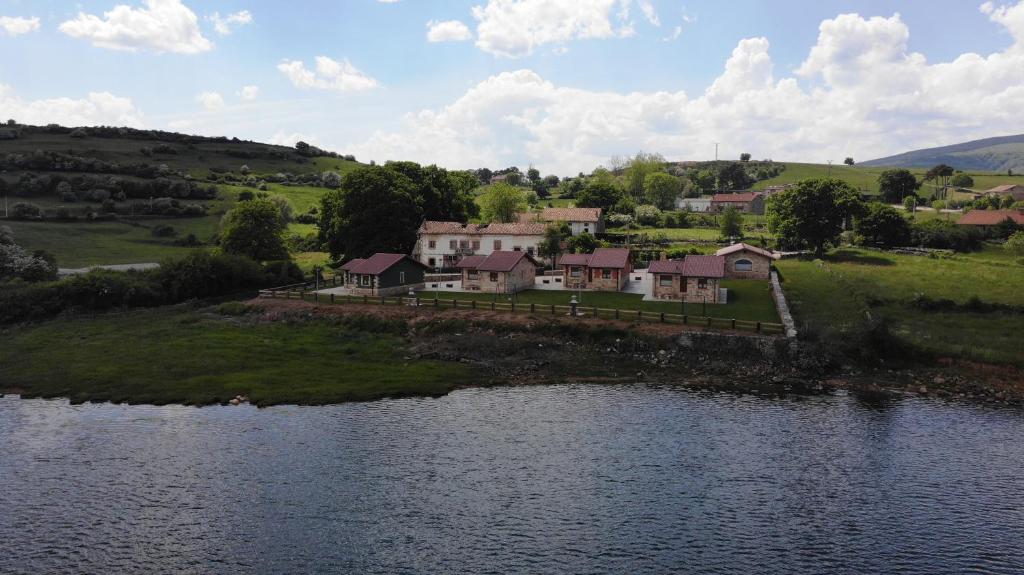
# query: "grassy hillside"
[990,154]
[865,178]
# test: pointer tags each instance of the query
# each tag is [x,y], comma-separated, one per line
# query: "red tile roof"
[740,198]
[352,263]
[379,263]
[609,258]
[991,217]
[574,260]
[666,267]
[571,214]
[704,266]
[745,247]
[457,228]
[470,262]
[503,261]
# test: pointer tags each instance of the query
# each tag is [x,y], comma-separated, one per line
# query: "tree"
[375,210]
[302,147]
[551,246]
[484,175]
[731,223]
[583,243]
[848,161]
[598,194]
[533,174]
[733,176]
[254,229]
[910,204]
[962,180]
[330,180]
[703,180]
[896,184]
[744,157]
[639,168]
[812,214]
[441,195]
[284,208]
[501,202]
[647,215]
[882,226]
[662,190]
[1015,244]
[939,174]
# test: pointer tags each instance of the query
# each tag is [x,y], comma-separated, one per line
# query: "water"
[560,479]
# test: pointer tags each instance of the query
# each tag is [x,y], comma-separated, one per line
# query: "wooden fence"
[300,292]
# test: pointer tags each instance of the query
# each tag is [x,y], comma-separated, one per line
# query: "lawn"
[839,292]
[706,234]
[181,356]
[748,300]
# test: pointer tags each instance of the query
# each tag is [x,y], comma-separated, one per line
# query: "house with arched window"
[744,261]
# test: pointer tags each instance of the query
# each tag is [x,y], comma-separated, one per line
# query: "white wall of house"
[694,204]
[441,254]
[578,228]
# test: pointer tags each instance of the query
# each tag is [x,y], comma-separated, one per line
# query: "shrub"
[942,234]
[64,214]
[1015,243]
[283,272]
[68,197]
[235,308]
[647,215]
[26,211]
[163,231]
[189,241]
[203,274]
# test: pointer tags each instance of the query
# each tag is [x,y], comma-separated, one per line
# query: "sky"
[563,85]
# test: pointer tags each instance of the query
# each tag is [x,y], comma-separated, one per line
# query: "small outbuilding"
[384,275]
[747,262]
[499,272]
[696,279]
[607,269]
[746,202]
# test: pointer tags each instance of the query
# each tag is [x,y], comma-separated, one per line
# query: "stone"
[923,390]
[234,401]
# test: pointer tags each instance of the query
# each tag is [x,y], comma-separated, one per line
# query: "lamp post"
[573,306]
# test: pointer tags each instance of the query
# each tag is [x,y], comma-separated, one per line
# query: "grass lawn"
[709,234]
[838,293]
[181,356]
[749,300]
[306,260]
[866,178]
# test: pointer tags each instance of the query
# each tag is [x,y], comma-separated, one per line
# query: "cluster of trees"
[16,264]
[379,208]
[97,188]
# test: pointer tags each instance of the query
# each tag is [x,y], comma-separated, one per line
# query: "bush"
[163,231]
[1015,243]
[63,214]
[235,308]
[942,234]
[283,272]
[647,215]
[204,274]
[26,211]
[189,241]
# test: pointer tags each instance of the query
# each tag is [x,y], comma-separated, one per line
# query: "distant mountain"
[989,155]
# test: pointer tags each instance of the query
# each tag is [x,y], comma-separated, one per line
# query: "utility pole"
[829,168]
[716,151]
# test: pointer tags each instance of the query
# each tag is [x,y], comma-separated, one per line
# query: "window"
[575,272]
[452,244]
[497,245]
[743,266]
[432,262]
[517,249]
[366,280]
[606,273]
[529,250]
[494,276]
[702,283]
[401,278]
[432,244]
[683,282]
[665,281]
[476,244]
[464,244]
[472,274]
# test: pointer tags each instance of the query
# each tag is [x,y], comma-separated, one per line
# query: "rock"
[234,401]
[939,380]
[923,390]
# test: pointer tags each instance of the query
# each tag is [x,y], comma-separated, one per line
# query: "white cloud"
[284,138]
[329,75]
[514,28]
[223,25]
[649,12]
[249,93]
[97,109]
[212,101]
[1011,17]
[676,33]
[15,26]
[448,31]
[859,93]
[162,26]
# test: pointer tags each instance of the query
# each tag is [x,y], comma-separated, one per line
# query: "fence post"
[492,305]
[383,301]
[552,309]
[709,322]
[436,303]
[662,317]
[640,314]
[332,298]
[734,323]
[366,298]
[455,303]
[595,311]
[533,307]
[513,306]
[472,304]
[758,327]
[685,319]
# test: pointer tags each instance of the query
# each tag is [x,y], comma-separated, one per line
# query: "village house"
[499,272]
[744,261]
[1016,191]
[607,269]
[699,205]
[580,220]
[746,202]
[695,279]
[991,218]
[441,245]
[384,275]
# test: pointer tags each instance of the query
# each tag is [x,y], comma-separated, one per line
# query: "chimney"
[663,256]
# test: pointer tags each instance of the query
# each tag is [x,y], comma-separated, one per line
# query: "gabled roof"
[666,267]
[738,198]
[740,247]
[574,260]
[527,217]
[991,217]
[504,261]
[470,262]
[352,263]
[458,228]
[609,258]
[379,263]
[571,214]
[1004,188]
[704,266]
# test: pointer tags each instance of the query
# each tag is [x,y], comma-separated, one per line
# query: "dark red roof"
[574,260]
[704,266]
[666,267]
[991,217]
[352,263]
[609,258]
[742,198]
[379,263]
[503,261]
[470,262]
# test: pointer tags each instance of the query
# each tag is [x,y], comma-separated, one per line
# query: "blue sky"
[561,84]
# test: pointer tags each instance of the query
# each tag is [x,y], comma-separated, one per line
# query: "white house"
[442,244]
[694,204]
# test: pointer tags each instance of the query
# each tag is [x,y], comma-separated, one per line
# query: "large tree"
[882,226]
[662,190]
[375,210]
[733,176]
[551,246]
[599,194]
[254,229]
[731,224]
[441,195]
[812,214]
[502,202]
[896,184]
[641,166]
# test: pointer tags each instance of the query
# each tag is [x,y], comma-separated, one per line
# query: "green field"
[193,357]
[837,293]
[866,178]
[748,300]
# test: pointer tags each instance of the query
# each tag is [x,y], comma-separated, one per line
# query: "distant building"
[607,269]
[774,189]
[694,279]
[499,272]
[1016,191]
[384,275]
[989,218]
[744,261]
[441,245]
[746,202]
[700,205]
[580,220]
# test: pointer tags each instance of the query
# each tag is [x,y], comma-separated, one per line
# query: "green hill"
[990,154]
[865,177]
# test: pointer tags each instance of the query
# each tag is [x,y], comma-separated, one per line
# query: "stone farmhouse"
[441,245]
[499,272]
[991,218]
[746,202]
[1016,191]
[383,275]
[744,261]
[694,279]
[607,269]
[580,220]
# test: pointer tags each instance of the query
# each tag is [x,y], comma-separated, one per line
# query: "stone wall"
[782,307]
[760,271]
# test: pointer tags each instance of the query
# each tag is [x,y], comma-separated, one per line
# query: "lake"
[549,479]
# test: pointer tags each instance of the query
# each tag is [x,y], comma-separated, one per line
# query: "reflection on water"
[540,480]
